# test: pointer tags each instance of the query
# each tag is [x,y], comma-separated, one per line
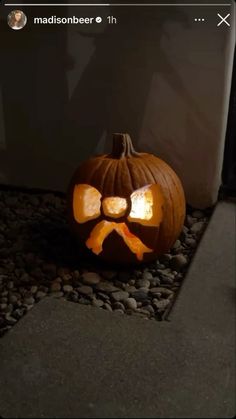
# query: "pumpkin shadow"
[109,96]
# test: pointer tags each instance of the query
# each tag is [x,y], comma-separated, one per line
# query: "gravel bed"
[39,258]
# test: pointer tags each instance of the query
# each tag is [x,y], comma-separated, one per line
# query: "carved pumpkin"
[126,207]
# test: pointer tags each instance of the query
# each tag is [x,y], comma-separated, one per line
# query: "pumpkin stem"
[122,146]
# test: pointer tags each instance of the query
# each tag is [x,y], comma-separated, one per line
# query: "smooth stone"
[118,310]
[190,220]
[149,308]
[107,307]
[84,301]
[161,304]
[147,275]
[131,281]
[180,249]
[162,290]
[29,301]
[178,262]
[130,303]
[166,271]
[118,306]
[34,289]
[167,280]
[10,285]
[197,227]
[85,289]
[140,294]
[143,283]
[91,278]
[97,303]
[155,282]
[144,311]
[10,320]
[120,295]
[55,287]
[103,296]
[160,266]
[130,288]
[40,295]
[190,242]
[106,287]
[67,288]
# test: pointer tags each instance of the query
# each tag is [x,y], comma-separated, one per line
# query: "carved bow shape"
[146,209]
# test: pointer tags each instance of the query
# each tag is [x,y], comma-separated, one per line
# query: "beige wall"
[157,75]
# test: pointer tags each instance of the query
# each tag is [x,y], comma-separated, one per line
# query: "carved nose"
[114,206]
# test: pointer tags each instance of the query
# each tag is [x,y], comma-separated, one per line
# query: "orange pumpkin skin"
[119,174]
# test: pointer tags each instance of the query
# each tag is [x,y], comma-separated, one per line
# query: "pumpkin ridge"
[101,174]
[106,173]
[132,182]
[145,167]
[94,165]
[168,200]
[109,182]
[179,191]
[137,169]
[116,174]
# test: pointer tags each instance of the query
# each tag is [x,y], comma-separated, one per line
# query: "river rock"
[178,262]
[119,295]
[90,278]
[130,303]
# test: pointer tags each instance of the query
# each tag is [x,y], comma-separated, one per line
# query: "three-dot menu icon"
[199,19]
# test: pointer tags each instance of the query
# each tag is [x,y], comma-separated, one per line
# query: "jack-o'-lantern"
[126,207]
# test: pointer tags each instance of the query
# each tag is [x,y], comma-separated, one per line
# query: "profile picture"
[16,19]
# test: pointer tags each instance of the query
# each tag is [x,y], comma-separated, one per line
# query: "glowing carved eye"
[146,206]
[86,203]
[114,206]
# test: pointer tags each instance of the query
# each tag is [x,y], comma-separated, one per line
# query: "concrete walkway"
[71,361]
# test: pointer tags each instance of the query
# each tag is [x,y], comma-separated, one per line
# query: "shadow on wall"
[112,92]
[34,90]
[47,133]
